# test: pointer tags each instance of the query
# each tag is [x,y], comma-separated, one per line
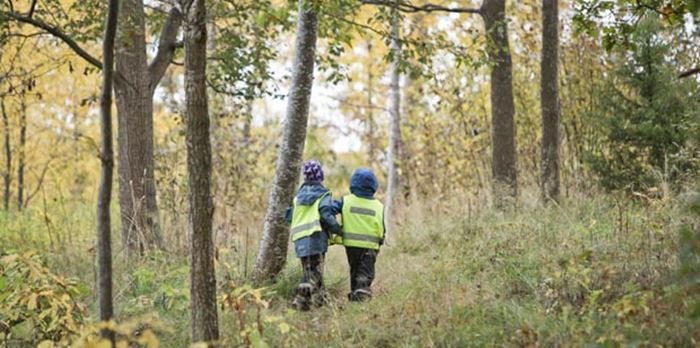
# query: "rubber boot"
[360,295]
[302,300]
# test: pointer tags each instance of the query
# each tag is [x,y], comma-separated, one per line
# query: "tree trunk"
[21,152]
[7,175]
[137,196]
[549,95]
[370,107]
[505,185]
[394,154]
[134,99]
[104,196]
[205,327]
[273,247]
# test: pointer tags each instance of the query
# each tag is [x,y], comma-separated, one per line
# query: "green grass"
[592,272]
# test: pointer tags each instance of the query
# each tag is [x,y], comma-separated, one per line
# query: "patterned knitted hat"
[313,171]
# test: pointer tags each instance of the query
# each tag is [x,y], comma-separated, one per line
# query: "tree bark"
[21,155]
[7,175]
[134,98]
[370,107]
[273,247]
[205,327]
[549,95]
[104,197]
[505,185]
[394,153]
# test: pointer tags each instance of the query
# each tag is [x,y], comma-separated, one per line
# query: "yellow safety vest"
[306,220]
[363,222]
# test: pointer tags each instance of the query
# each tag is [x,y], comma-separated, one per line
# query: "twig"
[690,72]
[407,7]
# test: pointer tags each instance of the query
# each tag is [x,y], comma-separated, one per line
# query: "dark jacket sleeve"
[327,211]
[288,214]
[338,206]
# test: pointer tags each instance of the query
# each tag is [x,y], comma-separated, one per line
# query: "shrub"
[36,304]
[646,116]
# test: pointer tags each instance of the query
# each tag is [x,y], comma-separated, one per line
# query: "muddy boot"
[302,299]
[360,295]
[301,304]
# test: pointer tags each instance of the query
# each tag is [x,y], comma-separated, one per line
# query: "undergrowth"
[596,271]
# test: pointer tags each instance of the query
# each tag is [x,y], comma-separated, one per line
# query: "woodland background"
[612,261]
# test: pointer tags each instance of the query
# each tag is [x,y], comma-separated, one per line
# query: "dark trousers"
[313,271]
[361,262]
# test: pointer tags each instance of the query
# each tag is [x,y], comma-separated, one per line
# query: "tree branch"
[57,33]
[31,9]
[38,185]
[167,43]
[690,72]
[407,7]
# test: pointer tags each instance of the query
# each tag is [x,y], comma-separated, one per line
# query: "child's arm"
[327,210]
[338,206]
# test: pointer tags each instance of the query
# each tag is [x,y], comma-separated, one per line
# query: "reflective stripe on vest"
[306,219]
[363,222]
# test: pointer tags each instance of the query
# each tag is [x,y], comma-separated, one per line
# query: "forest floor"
[596,271]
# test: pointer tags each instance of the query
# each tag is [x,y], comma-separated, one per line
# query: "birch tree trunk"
[370,107]
[205,327]
[394,153]
[7,175]
[273,247]
[505,185]
[21,154]
[104,196]
[134,97]
[549,95]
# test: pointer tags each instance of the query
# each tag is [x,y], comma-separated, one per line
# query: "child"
[312,219]
[363,231]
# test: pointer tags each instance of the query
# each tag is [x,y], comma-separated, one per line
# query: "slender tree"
[370,106]
[7,174]
[549,94]
[21,160]
[273,247]
[394,153]
[205,327]
[104,197]
[505,185]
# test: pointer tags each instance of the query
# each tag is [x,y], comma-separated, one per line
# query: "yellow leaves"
[46,344]
[284,328]
[149,339]
[250,304]
[31,302]
[103,343]
[39,303]
[410,308]
[239,297]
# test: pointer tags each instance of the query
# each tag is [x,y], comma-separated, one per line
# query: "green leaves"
[615,20]
[645,115]
[243,44]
